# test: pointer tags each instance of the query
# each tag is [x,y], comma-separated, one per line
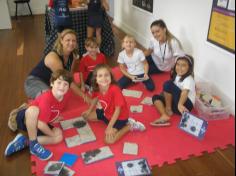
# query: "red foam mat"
[158,145]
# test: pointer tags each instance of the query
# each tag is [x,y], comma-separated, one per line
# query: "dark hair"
[94,77]
[190,61]
[64,74]
[169,36]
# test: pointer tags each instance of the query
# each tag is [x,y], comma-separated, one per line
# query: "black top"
[44,73]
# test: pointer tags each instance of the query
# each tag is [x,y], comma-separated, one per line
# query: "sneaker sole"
[12,117]
[42,158]
[16,138]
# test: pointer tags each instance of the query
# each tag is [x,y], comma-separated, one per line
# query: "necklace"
[164,53]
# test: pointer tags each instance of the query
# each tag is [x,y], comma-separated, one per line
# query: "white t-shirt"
[189,84]
[164,55]
[134,63]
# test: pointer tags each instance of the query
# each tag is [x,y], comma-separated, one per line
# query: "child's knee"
[57,131]
[58,137]
[32,110]
[31,113]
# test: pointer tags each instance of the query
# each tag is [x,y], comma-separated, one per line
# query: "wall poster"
[222,25]
[144,4]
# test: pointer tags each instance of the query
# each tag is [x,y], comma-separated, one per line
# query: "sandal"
[160,123]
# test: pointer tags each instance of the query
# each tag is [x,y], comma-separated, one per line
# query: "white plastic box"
[211,113]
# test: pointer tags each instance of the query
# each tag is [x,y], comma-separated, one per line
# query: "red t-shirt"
[110,100]
[49,106]
[87,64]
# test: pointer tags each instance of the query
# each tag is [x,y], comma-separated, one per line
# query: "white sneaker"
[136,125]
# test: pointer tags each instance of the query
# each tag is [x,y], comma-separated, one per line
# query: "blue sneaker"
[20,142]
[39,151]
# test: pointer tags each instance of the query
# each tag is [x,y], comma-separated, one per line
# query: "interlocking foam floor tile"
[158,145]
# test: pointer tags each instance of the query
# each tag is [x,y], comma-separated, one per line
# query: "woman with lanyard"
[63,56]
[163,48]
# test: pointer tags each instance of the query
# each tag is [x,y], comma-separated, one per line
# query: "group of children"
[108,103]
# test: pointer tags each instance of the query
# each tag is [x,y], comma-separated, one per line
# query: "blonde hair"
[128,37]
[90,42]
[58,46]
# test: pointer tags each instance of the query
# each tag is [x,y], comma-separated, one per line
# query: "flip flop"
[161,123]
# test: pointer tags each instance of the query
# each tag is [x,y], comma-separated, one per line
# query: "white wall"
[37,7]
[188,20]
[112,8]
[5,21]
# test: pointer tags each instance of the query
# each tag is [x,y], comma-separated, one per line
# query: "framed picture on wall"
[222,25]
[146,5]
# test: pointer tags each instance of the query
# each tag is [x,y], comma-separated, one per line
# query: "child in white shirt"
[133,65]
[179,92]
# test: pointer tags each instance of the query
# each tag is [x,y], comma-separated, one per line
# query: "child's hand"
[99,106]
[86,99]
[58,119]
[86,114]
[110,133]
[133,78]
[182,108]
[146,77]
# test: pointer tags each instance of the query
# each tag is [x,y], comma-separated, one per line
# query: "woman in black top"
[63,56]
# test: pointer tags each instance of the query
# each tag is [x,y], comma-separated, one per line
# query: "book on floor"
[193,125]
[137,167]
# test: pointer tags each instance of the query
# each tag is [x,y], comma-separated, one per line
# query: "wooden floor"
[21,48]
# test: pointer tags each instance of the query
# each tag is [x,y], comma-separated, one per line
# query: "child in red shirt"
[111,106]
[89,61]
[38,118]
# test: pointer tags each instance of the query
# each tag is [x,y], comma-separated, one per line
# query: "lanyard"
[163,56]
